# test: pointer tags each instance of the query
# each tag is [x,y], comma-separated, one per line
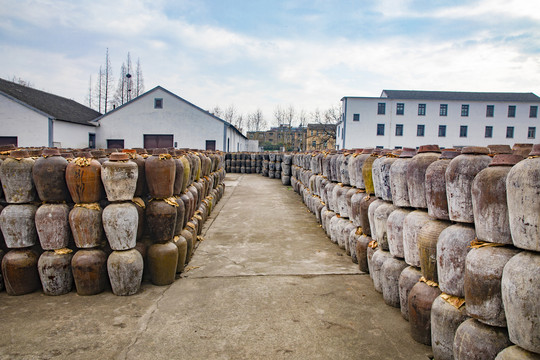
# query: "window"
[400,108]
[381,109]
[211,145]
[489,132]
[442,130]
[92,140]
[509,132]
[380,129]
[13,140]
[420,130]
[356,117]
[399,129]
[533,111]
[463,131]
[311,132]
[531,133]
[490,110]
[313,143]
[511,110]
[158,103]
[421,109]
[443,111]
[115,143]
[464,110]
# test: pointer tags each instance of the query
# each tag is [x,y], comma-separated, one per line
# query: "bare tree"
[302,118]
[216,111]
[99,90]
[332,115]
[89,96]
[139,81]
[121,91]
[256,121]
[230,114]
[239,122]
[21,81]
[290,115]
[279,116]
[107,85]
[129,77]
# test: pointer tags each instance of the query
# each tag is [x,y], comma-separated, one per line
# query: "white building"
[402,118]
[159,118]
[30,117]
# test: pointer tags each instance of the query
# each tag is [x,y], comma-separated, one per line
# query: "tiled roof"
[459,96]
[55,106]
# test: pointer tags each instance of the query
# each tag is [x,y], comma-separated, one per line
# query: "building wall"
[30,127]
[319,134]
[363,133]
[70,135]
[189,126]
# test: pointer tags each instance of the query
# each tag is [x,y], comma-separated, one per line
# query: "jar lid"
[499,149]
[159,151]
[475,150]
[522,149]
[83,154]
[18,154]
[535,150]
[129,151]
[358,151]
[505,160]
[367,151]
[119,156]
[98,153]
[407,153]
[429,148]
[50,152]
[449,154]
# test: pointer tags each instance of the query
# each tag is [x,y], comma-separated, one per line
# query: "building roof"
[175,96]
[321,126]
[53,106]
[459,96]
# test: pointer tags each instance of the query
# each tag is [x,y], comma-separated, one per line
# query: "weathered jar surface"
[120,222]
[49,175]
[52,225]
[436,200]
[160,170]
[20,273]
[119,177]
[54,269]
[380,218]
[421,298]
[89,268]
[162,263]
[514,352]
[16,178]
[416,174]
[445,319]
[125,269]
[86,226]
[161,220]
[428,236]
[475,340]
[390,273]
[407,279]
[398,176]
[83,178]
[18,225]
[411,226]
[395,231]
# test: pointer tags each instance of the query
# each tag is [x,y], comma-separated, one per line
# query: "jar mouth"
[119,156]
[449,154]
[505,160]
[535,150]
[499,149]
[407,153]
[18,154]
[429,148]
[475,150]
[50,152]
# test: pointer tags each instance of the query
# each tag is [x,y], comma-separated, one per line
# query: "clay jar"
[83,178]
[162,263]
[52,225]
[385,180]
[89,271]
[367,172]
[398,176]
[437,203]
[358,166]
[179,174]
[489,200]
[459,175]
[120,222]
[380,218]
[160,169]
[365,203]
[356,199]
[125,269]
[141,188]
[428,236]
[514,352]
[421,299]
[161,220]
[522,188]
[19,269]
[520,298]
[18,225]
[475,340]
[411,226]
[390,272]
[54,269]
[180,215]
[16,178]
[407,279]
[445,319]
[119,177]
[483,275]
[416,174]
[182,246]
[86,226]
[49,175]
[395,231]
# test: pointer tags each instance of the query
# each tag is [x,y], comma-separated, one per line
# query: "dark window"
[115,143]
[511,110]
[157,141]
[158,103]
[443,111]
[380,129]
[509,132]
[464,110]
[356,117]
[211,145]
[400,108]
[490,110]
[381,109]
[533,111]
[489,132]
[420,130]
[421,109]
[463,131]
[399,129]
[531,133]
[12,140]
[442,130]
[313,143]
[92,140]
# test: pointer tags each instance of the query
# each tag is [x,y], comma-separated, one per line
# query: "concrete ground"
[266,283]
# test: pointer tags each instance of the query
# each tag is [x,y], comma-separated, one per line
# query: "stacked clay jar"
[70,203]
[449,236]
[244,163]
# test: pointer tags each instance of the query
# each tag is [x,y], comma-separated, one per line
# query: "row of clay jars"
[16,178]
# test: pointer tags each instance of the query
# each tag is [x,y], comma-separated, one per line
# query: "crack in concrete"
[144,322]
[305,276]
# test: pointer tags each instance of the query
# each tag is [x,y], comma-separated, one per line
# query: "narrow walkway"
[265,284]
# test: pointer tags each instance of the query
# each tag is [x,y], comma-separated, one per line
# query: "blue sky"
[261,54]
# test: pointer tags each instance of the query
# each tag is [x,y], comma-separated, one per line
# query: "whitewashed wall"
[70,135]
[363,133]
[30,127]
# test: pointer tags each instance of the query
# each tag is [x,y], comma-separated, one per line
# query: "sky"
[269,53]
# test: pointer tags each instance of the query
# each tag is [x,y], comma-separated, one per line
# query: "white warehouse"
[406,118]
